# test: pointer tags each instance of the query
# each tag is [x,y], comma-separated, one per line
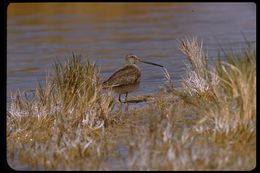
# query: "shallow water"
[105,33]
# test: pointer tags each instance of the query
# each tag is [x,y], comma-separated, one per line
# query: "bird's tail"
[108,85]
[105,85]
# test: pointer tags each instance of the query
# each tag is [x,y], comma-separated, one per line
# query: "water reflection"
[106,32]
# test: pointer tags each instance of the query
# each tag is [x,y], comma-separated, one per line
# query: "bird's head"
[132,59]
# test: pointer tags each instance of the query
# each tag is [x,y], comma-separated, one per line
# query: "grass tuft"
[58,122]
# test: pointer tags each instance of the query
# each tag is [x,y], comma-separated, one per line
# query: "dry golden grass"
[211,126]
[70,124]
[60,122]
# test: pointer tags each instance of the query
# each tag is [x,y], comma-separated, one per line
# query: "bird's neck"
[133,65]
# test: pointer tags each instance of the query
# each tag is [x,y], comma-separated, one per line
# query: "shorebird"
[126,79]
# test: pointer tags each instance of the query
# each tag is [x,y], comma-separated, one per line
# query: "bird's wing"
[124,76]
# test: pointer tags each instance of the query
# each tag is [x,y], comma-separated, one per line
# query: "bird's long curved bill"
[166,74]
[146,62]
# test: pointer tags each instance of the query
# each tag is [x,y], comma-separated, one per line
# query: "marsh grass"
[212,125]
[207,124]
[59,123]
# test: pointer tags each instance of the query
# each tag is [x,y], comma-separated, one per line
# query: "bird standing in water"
[126,79]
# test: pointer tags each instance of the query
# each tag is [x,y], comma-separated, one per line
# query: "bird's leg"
[126,97]
[120,105]
[126,108]
[119,98]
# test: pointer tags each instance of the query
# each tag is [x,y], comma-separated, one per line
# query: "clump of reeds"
[211,126]
[57,124]
[198,78]
[233,114]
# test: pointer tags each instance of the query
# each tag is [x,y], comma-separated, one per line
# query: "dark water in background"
[36,35]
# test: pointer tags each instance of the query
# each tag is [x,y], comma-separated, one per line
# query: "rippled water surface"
[105,33]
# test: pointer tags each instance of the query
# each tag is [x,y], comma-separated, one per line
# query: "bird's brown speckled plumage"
[125,79]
